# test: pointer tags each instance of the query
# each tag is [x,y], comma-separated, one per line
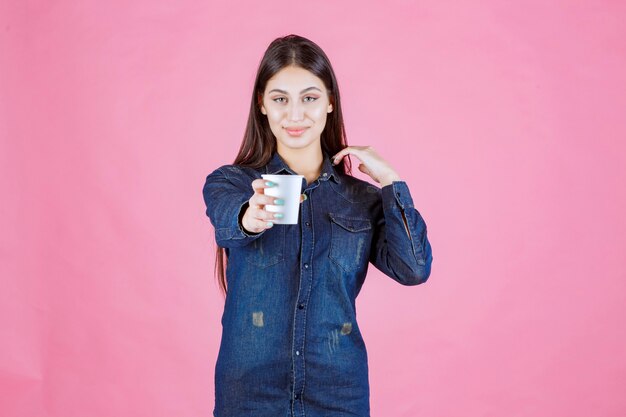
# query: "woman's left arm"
[400,247]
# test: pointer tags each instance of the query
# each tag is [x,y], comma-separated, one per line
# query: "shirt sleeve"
[404,255]
[226,198]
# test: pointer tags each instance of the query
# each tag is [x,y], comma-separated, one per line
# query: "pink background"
[506,119]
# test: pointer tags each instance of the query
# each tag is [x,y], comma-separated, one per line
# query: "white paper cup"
[288,188]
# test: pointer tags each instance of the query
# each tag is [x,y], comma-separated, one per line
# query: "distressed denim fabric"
[291,344]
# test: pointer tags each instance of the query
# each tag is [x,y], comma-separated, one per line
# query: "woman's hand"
[371,164]
[256,218]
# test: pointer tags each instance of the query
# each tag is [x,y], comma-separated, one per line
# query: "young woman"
[291,344]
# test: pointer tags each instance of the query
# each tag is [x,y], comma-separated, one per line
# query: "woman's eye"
[305,99]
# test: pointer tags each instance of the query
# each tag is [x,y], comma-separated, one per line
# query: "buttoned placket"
[304,292]
[278,166]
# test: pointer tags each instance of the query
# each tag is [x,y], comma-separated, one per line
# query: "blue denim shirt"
[291,344]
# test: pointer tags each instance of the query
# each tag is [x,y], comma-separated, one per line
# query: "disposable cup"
[288,188]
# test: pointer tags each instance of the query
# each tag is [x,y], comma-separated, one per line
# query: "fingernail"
[270,224]
[279,202]
[334,162]
[270,183]
[278,215]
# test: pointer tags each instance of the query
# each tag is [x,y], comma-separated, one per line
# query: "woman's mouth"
[296,132]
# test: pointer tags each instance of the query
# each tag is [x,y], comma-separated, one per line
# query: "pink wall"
[506,120]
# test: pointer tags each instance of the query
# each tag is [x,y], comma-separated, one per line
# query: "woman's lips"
[295,132]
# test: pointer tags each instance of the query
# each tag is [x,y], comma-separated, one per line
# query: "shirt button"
[306,265]
[297,353]
[325,174]
[297,396]
[300,306]
[307,223]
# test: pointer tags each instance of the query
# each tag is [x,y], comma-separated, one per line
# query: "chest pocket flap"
[351,224]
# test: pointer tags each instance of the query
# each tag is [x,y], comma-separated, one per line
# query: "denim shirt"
[291,344]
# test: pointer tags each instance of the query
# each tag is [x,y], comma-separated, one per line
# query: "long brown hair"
[259,144]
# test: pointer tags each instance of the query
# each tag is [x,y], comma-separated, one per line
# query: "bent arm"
[400,247]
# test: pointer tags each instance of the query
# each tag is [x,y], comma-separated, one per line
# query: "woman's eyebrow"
[301,92]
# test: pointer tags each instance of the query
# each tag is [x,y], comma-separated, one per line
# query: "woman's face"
[296,105]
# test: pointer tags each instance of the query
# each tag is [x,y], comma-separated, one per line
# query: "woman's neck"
[306,162]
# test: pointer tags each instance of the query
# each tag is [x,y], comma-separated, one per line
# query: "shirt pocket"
[268,249]
[349,241]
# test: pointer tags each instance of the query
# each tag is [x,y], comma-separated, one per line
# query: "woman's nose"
[296,112]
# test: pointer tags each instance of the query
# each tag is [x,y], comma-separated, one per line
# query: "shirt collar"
[277,166]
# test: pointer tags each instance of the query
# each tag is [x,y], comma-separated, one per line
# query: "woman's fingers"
[261,224]
[257,218]
[259,185]
[262,214]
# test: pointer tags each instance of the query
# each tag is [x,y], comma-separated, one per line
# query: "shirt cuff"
[397,194]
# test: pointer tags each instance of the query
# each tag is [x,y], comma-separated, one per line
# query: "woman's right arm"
[227,196]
